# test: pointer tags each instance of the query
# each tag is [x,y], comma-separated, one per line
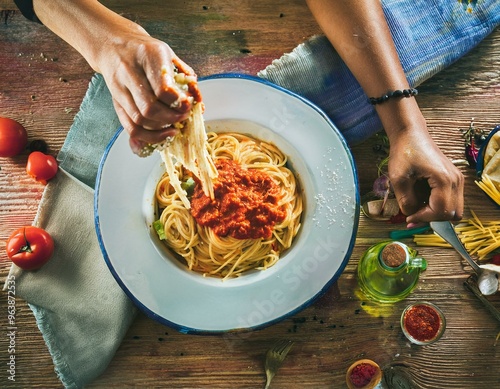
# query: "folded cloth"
[80,310]
[91,131]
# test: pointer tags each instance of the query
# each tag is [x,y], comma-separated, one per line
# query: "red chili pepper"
[471,154]
[474,138]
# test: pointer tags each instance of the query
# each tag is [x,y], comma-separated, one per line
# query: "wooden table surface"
[42,83]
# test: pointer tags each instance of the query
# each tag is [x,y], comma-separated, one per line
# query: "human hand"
[426,183]
[139,72]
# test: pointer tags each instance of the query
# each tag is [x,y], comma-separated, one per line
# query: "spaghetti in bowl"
[202,249]
[254,215]
[162,286]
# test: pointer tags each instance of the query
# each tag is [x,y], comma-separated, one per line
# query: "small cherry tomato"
[13,137]
[30,247]
[42,167]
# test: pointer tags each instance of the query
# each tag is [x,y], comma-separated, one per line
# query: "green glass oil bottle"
[388,271]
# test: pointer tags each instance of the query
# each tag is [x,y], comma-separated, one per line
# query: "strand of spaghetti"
[210,254]
[180,227]
[248,254]
[206,168]
[189,149]
[174,179]
[488,249]
[228,262]
[163,193]
[430,240]
[487,185]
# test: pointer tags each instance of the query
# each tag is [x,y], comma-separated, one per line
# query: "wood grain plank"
[42,83]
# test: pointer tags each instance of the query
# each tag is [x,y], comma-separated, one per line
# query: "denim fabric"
[429,35]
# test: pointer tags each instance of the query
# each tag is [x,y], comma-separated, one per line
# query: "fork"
[275,357]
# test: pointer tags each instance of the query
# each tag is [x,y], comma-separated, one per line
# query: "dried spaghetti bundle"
[479,238]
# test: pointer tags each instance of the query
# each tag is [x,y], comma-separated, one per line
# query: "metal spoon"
[487,279]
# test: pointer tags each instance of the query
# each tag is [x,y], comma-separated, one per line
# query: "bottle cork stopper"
[393,255]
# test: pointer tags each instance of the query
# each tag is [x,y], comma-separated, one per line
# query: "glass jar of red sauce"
[423,323]
[364,374]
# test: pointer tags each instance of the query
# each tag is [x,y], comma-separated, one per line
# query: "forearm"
[360,34]
[86,25]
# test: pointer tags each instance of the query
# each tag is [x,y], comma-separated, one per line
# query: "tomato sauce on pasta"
[245,204]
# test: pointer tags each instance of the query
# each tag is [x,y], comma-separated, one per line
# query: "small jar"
[423,323]
[364,374]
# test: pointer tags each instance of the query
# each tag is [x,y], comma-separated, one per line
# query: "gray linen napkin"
[81,311]
[84,314]
[89,135]
[429,36]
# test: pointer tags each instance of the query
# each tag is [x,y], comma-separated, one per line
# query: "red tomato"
[13,137]
[30,247]
[42,167]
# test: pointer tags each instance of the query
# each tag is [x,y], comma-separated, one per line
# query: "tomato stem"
[26,248]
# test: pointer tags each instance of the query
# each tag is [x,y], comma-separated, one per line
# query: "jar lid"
[393,255]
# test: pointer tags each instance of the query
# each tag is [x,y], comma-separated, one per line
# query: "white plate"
[162,287]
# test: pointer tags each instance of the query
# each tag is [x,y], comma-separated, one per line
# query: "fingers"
[143,107]
[183,67]
[189,78]
[161,77]
[140,136]
[146,97]
[435,198]
[437,209]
